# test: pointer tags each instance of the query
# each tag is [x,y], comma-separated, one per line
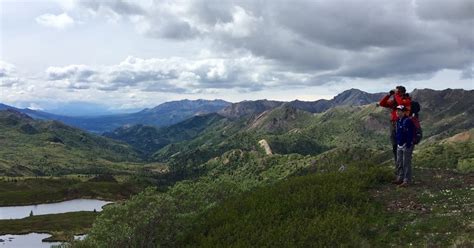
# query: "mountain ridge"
[349,97]
[165,114]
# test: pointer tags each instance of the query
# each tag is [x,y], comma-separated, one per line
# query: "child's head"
[401,111]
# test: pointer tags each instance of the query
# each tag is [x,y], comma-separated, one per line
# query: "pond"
[30,240]
[25,241]
[19,212]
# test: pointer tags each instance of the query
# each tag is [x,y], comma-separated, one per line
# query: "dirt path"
[263,143]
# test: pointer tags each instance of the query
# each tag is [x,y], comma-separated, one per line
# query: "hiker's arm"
[386,102]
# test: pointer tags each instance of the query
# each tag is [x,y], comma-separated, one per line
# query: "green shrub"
[322,210]
[147,220]
[466,165]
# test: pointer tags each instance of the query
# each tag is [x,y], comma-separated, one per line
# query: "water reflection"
[18,212]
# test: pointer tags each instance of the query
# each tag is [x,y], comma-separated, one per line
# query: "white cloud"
[77,72]
[35,106]
[8,75]
[61,21]
[178,75]
[6,69]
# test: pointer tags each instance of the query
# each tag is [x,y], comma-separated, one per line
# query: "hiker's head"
[402,110]
[400,90]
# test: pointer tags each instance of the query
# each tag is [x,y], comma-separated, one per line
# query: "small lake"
[19,212]
[30,240]
[25,241]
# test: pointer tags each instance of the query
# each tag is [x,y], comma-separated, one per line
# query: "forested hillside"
[32,147]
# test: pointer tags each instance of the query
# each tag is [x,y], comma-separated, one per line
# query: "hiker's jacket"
[393,103]
[405,132]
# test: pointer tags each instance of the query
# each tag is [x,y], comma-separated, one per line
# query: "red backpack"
[418,132]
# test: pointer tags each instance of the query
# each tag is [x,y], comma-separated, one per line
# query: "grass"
[45,190]
[62,226]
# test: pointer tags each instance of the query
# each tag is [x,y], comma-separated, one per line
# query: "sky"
[86,56]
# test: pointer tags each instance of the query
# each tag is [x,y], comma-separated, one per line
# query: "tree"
[146,220]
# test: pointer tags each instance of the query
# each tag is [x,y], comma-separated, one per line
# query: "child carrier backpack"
[414,113]
[415,108]
[418,132]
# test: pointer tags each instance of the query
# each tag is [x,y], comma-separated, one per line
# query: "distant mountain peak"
[246,108]
[347,94]
[356,97]
[199,105]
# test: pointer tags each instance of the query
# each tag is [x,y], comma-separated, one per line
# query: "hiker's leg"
[393,140]
[399,172]
[407,155]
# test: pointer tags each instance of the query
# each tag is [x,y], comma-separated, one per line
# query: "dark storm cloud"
[310,42]
[118,6]
[421,58]
[368,39]
[351,25]
[157,20]
[165,26]
[445,10]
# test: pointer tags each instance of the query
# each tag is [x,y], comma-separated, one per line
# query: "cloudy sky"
[121,55]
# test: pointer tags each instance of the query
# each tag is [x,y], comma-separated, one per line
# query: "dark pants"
[393,139]
[404,163]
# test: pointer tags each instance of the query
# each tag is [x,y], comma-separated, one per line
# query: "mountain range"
[351,97]
[162,115]
[147,139]
[170,113]
[350,119]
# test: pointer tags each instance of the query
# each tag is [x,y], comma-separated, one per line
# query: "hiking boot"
[397,181]
[403,185]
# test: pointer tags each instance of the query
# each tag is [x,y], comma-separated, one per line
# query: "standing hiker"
[393,99]
[405,136]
